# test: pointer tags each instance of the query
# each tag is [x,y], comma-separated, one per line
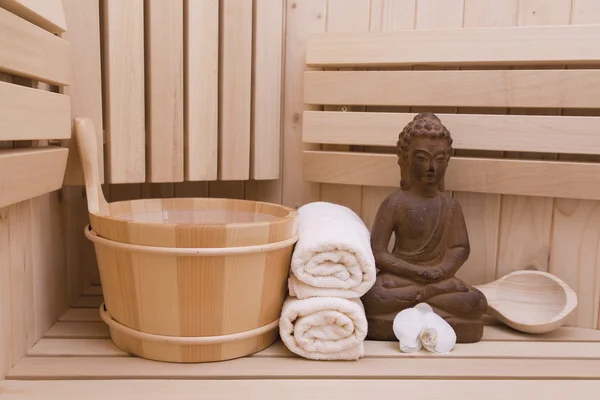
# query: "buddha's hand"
[429,275]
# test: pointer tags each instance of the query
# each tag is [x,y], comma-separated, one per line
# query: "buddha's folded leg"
[391,293]
[463,311]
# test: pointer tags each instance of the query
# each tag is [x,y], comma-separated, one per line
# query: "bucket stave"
[188,280]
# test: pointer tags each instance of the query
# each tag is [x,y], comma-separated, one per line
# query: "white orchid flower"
[419,327]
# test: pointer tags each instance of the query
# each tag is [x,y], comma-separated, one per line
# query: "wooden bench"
[76,359]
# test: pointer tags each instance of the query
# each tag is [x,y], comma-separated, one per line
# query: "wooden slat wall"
[243,123]
[510,229]
[33,276]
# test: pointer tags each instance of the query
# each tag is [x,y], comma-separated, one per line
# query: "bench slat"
[32,114]
[76,347]
[259,367]
[32,52]
[26,173]
[484,349]
[47,14]
[81,315]
[573,88]
[550,134]
[297,390]
[578,180]
[468,46]
[72,330]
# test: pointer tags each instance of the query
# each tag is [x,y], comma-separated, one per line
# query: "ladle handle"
[85,135]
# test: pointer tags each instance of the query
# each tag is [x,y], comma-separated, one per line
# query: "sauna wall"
[205,99]
[507,232]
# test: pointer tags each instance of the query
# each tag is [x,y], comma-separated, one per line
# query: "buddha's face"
[427,161]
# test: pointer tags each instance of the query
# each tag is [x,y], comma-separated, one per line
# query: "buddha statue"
[431,241]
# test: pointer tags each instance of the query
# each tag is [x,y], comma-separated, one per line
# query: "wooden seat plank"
[81,315]
[47,14]
[32,52]
[26,173]
[32,114]
[483,349]
[88,302]
[76,348]
[86,323]
[573,88]
[296,389]
[580,180]
[373,349]
[291,368]
[444,47]
[534,133]
[91,330]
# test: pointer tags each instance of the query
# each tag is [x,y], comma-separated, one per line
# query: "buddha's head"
[424,147]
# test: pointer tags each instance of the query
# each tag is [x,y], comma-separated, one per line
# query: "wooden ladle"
[530,301]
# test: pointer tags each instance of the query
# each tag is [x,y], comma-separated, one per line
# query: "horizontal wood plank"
[88,302]
[533,133]
[76,348]
[469,46]
[86,322]
[32,114]
[573,88]
[578,180]
[47,14]
[74,330]
[93,291]
[482,349]
[297,390]
[297,367]
[81,315]
[373,349]
[26,173]
[32,52]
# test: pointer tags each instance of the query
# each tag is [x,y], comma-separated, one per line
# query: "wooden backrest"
[516,68]
[34,66]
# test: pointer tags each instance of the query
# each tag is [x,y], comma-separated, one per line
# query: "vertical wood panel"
[75,217]
[575,244]
[482,210]
[21,280]
[164,90]
[85,91]
[345,16]
[388,16]
[123,76]
[303,17]
[5,345]
[235,89]
[526,222]
[201,89]
[266,89]
[48,261]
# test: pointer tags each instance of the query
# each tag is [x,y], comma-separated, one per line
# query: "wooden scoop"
[530,301]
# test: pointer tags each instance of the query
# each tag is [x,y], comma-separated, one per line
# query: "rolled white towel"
[324,328]
[333,255]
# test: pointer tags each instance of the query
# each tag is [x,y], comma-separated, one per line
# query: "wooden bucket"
[189,279]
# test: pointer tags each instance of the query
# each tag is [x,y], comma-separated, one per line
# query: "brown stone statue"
[431,240]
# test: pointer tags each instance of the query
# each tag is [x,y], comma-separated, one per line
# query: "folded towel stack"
[332,267]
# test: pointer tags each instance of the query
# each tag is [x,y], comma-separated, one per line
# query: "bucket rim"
[291,213]
[190,251]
